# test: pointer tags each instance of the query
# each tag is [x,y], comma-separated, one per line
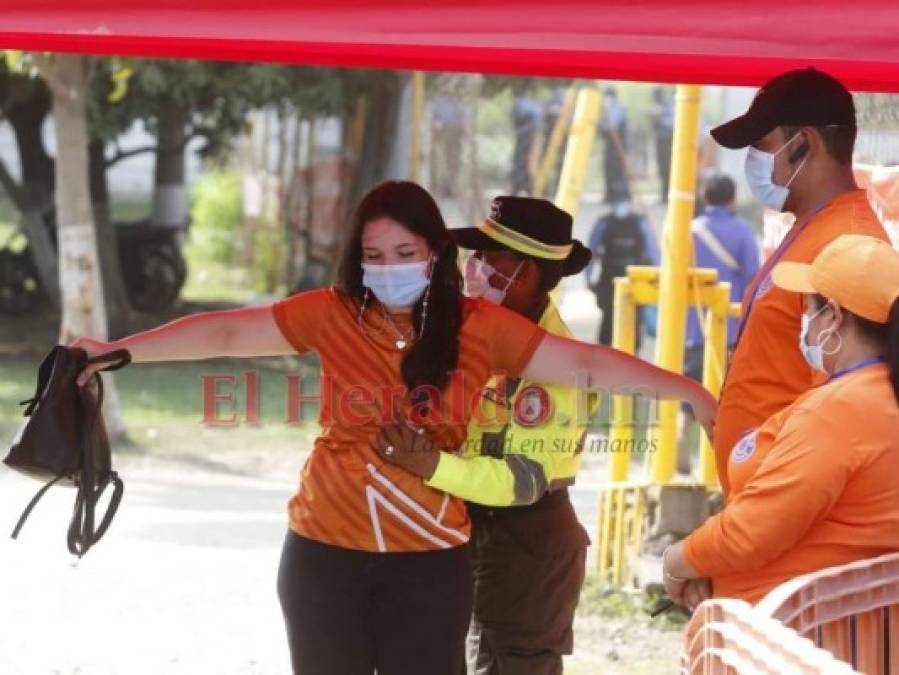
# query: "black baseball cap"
[799,98]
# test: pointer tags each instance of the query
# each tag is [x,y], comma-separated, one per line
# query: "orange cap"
[857,272]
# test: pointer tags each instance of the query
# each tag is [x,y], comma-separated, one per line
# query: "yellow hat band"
[523,243]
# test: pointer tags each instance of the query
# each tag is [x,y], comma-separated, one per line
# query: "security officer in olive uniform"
[522,452]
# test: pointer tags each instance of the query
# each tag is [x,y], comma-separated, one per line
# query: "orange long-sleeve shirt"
[815,486]
[767,371]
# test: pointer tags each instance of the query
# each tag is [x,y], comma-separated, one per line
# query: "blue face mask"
[814,354]
[399,285]
[759,174]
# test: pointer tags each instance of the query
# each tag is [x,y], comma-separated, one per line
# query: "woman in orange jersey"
[374,573]
[815,485]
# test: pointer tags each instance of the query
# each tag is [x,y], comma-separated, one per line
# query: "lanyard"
[765,272]
[864,363]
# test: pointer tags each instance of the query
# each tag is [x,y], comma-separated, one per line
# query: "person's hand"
[705,409]
[674,586]
[678,577]
[93,348]
[695,591]
[409,447]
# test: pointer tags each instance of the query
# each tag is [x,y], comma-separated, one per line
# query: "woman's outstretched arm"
[571,363]
[241,332]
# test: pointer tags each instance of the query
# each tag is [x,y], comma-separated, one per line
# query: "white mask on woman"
[814,354]
[477,280]
[399,285]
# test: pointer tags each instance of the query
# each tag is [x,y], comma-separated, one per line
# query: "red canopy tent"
[724,42]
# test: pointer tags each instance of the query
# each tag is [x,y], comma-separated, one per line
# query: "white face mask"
[397,285]
[477,280]
[814,354]
[759,174]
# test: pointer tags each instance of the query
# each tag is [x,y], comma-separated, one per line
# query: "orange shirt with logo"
[767,371]
[811,488]
[348,496]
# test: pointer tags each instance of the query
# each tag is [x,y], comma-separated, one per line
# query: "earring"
[362,307]
[837,348]
[424,309]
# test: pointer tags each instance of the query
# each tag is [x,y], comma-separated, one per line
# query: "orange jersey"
[767,371]
[348,496]
[811,488]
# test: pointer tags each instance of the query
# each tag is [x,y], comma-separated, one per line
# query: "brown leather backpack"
[64,441]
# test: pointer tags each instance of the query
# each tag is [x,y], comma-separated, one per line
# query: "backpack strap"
[33,503]
[43,379]
[82,534]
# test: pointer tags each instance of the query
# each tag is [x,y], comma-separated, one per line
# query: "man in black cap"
[522,452]
[800,131]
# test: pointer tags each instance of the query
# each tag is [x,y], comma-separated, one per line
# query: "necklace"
[400,341]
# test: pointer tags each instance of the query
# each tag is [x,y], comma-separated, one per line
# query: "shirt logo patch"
[745,447]
[532,406]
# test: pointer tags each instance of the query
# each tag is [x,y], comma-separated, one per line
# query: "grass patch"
[163,403]
[598,600]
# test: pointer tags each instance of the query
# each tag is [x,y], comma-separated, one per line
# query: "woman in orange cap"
[815,485]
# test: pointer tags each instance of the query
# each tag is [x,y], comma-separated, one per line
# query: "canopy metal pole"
[676,258]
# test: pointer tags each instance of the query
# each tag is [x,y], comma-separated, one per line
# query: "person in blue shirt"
[613,127]
[725,242]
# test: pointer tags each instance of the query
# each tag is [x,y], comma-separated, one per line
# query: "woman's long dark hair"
[435,354]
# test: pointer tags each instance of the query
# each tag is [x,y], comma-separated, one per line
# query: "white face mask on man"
[397,286]
[477,280]
[760,176]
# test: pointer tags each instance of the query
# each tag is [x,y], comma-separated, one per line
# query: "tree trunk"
[118,308]
[26,111]
[83,309]
[382,91]
[469,189]
[170,194]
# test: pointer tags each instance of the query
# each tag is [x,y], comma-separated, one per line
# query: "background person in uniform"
[613,129]
[527,120]
[619,238]
[724,242]
[811,487]
[528,547]
[800,129]
[662,114]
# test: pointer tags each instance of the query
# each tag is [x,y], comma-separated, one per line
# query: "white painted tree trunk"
[83,308]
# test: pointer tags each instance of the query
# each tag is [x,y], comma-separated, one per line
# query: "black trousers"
[529,569]
[353,612]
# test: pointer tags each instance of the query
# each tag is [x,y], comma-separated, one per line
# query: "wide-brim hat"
[532,227]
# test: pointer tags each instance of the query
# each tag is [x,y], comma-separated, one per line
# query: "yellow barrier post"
[418,104]
[554,143]
[713,368]
[624,338]
[577,151]
[676,255]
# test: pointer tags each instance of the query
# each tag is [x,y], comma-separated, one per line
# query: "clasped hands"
[409,446]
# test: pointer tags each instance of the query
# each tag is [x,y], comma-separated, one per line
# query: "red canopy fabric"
[723,41]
